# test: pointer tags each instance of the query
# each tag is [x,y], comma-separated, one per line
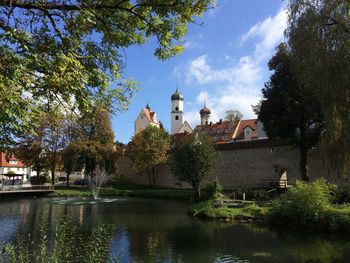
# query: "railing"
[24,187]
[274,183]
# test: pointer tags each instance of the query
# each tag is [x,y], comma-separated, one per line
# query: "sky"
[224,65]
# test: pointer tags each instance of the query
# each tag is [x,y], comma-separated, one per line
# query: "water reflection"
[161,231]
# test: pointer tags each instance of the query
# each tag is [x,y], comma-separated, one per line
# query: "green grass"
[176,194]
[207,210]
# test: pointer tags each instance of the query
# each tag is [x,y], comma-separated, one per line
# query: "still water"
[149,230]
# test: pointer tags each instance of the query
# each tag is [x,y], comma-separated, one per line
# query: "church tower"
[177,106]
[205,115]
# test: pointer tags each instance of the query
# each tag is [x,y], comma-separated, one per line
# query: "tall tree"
[194,160]
[96,142]
[288,110]
[149,149]
[319,33]
[54,139]
[73,51]
[233,115]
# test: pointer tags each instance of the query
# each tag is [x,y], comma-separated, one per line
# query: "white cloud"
[269,32]
[236,85]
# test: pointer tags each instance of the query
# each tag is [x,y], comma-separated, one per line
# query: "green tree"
[233,115]
[72,160]
[96,142]
[319,33]
[31,150]
[72,52]
[149,149]
[194,160]
[288,110]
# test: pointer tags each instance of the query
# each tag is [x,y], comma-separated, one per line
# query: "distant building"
[229,131]
[14,166]
[145,118]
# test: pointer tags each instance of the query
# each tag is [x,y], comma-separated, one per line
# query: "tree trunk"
[197,192]
[68,179]
[149,176]
[154,175]
[304,168]
[53,176]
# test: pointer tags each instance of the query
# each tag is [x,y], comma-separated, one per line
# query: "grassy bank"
[244,212]
[176,194]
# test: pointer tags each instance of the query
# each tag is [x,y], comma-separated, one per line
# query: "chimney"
[210,123]
[220,121]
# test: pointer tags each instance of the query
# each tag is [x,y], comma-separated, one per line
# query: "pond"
[148,230]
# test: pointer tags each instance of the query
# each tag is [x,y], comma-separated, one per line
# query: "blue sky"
[224,64]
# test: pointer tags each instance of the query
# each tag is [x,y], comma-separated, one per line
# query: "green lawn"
[177,194]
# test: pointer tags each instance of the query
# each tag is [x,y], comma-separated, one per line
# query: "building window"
[226,130]
[176,108]
[218,130]
[176,117]
[211,131]
[223,137]
[12,162]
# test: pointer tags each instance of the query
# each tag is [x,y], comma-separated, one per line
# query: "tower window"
[176,117]
[176,108]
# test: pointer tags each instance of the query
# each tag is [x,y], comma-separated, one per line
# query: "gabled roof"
[6,163]
[220,132]
[234,130]
[244,124]
[150,115]
[185,127]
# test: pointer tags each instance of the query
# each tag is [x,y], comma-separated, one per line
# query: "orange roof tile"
[6,163]
[242,125]
[220,132]
[150,115]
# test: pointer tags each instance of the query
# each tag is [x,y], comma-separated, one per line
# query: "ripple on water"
[85,201]
[230,259]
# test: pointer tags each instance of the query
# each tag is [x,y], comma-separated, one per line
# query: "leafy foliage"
[193,160]
[305,204]
[319,33]
[289,110]
[71,52]
[233,115]
[148,150]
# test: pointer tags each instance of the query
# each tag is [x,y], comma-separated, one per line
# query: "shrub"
[303,205]
[38,180]
[122,182]
[342,195]
[214,190]
[11,172]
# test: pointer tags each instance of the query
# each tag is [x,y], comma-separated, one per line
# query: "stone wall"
[246,164]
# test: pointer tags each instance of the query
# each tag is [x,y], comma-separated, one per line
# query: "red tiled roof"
[150,115]
[242,125]
[6,163]
[220,132]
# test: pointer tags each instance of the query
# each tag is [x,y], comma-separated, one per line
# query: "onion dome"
[205,111]
[177,95]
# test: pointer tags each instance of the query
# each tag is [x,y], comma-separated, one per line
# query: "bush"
[38,180]
[11,172]
[303,205]
[342,195]
[122,182]
[214,190]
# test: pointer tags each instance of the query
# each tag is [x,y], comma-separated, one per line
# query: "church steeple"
[177,105]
